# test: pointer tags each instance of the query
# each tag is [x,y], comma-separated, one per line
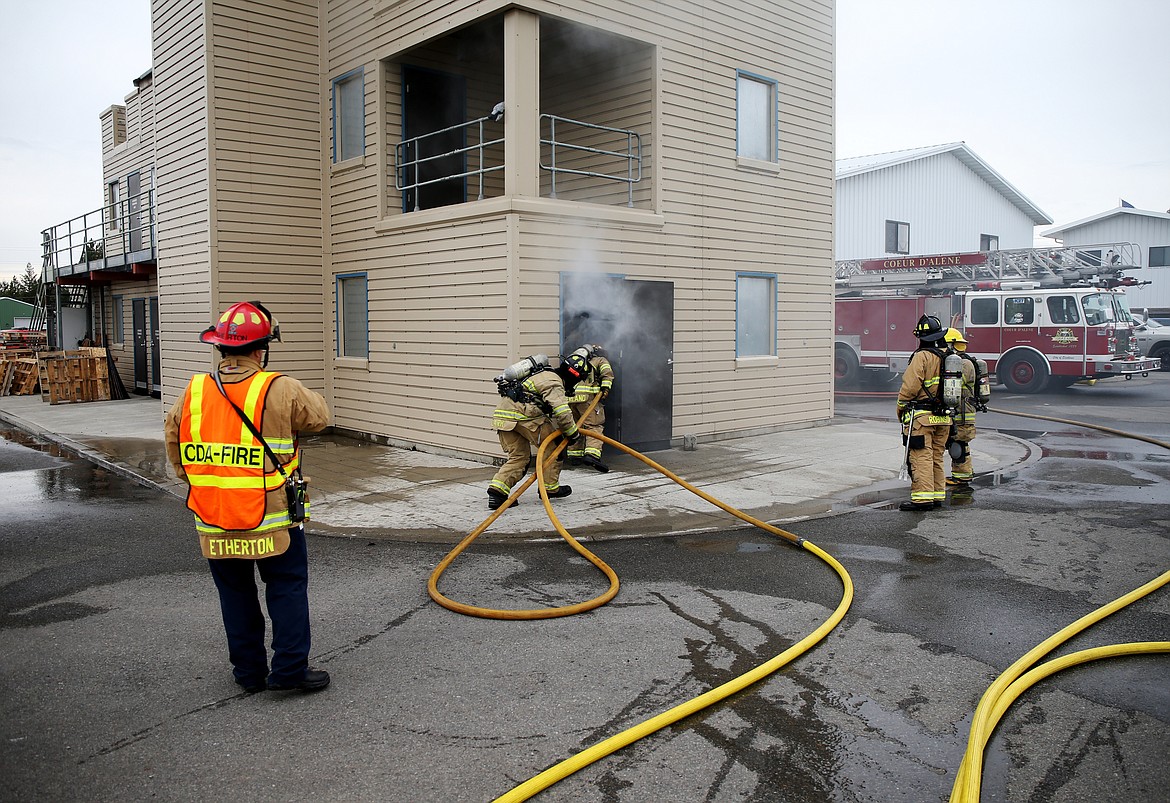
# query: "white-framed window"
[353,316]
[114,210]
[988,242]
[897,237]
[119,320]
[1159,256]
[756,99]
[755,315]
[349,115]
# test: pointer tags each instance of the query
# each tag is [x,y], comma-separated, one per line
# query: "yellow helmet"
[955,338]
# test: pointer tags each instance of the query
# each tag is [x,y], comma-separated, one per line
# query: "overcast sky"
[1066,99]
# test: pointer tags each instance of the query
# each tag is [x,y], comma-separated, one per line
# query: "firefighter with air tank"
[534,404]
[976,393]
[598,381]
[926,402]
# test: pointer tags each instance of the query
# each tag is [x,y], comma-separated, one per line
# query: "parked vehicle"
[1153,339]
[1037,316]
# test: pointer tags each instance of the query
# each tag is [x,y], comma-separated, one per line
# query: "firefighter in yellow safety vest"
[926,425]
[598,380]
[249,517]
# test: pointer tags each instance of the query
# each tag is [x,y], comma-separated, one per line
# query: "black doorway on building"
[634,321]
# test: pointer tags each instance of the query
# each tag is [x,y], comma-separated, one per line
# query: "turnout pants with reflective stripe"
[595,422]
[517,444]
[286,591]
[928,480]
[964,432]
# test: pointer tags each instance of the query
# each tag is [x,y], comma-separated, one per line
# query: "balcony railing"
[112,238]
[584,157]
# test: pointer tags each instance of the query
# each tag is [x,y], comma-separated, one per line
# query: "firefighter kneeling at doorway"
[533,405]
[598,380]
[925,417]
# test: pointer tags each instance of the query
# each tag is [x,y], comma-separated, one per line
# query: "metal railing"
[409,163]
[631,156]
[414,161]
[109,238]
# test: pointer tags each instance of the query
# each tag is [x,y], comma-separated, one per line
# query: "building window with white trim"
[349,116]
[119,320]
[353,316]
[113,222]
[1159,256]
[897,237]
[755,117]
[988,242]
[755,315]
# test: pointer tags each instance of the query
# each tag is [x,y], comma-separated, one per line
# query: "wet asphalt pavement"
[116,684]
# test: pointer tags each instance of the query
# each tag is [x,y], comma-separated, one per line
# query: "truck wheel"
[846,368]
[1022,373]
[1162,352]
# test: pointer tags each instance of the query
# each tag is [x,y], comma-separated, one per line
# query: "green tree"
[22,288]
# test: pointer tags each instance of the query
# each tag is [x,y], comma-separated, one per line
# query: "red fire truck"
[1040,317]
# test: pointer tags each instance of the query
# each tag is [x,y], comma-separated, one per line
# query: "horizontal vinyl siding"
[438,325]
[268,172]
[182,197]
[123,352]
[946,204]
[439,295]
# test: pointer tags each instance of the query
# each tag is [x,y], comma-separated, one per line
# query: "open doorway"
[634,321]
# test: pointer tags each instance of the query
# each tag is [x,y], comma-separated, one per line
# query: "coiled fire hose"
[1022,675]
[598,751]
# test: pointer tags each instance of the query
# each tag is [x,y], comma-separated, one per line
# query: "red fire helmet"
[246,323]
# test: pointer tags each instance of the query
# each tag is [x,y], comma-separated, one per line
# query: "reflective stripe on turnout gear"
[224,462]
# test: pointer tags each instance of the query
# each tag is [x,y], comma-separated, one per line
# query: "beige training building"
[424,191]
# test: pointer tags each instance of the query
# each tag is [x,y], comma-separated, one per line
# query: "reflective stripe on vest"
[225,464]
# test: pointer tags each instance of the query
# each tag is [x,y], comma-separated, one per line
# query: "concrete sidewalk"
[362,489]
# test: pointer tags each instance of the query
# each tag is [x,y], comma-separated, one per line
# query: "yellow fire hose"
[588,756]
[1018,677]
[1013,682]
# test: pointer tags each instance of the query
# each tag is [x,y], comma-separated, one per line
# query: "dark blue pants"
[286,590]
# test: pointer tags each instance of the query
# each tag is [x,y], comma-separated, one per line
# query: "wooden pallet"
[68,377]
[18,376]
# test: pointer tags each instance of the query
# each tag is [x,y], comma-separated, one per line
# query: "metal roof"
[1121,210]
[865,164]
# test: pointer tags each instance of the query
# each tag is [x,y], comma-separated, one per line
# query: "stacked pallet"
[18,375]
[68,377]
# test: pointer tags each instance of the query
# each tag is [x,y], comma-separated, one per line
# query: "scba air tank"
[519,371]
[952,380]
[982,382]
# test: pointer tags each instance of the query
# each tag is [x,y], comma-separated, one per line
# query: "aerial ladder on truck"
[1098,265]
[879,300]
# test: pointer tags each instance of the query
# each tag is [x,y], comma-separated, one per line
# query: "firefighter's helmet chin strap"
[264,362]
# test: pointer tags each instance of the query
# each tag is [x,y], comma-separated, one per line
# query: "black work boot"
[595,462]
[314,680]
[564,490]
[497,498]
[916,507]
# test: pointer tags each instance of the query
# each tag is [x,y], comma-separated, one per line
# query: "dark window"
[1159,256]
[985,311]
[897,237]
[1018,311]
[988,242]
[1063,310]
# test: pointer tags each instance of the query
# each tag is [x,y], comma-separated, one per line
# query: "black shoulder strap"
[251,428]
